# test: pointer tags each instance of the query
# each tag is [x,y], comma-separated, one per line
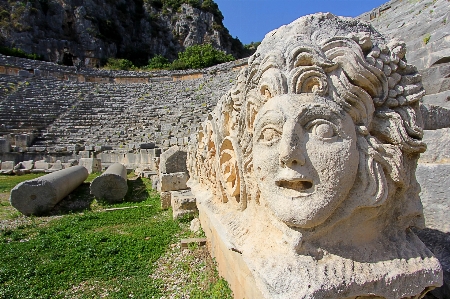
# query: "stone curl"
[367,77]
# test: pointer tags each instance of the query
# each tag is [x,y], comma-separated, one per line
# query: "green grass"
[89,251]
[7,182]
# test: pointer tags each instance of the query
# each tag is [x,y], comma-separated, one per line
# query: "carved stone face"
[304,156]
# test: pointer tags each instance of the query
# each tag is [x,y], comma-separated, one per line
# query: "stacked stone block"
[172,180]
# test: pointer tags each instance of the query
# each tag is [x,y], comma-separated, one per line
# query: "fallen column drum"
[39,195]
[112,184]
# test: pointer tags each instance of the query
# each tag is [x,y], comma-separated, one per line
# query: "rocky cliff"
[71,32]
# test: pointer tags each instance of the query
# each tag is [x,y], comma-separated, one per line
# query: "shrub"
[200,56]
[252,46]
[193,3]
[119,64]
[178,65]
[158,62]
[19,53]
[212,7]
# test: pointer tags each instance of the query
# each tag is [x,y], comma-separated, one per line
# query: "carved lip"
[295,187]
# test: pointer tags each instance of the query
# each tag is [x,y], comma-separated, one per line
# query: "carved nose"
[291,154]
[293,158]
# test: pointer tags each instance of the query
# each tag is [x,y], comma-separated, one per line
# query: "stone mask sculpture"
[306,168]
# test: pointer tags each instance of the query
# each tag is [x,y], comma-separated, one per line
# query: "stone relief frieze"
[308,163]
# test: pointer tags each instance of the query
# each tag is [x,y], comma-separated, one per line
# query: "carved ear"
[230,172]
[378,162]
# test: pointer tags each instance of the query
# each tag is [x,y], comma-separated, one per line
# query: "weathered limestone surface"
[173,160]
[304,173]
[42,194]
[438,147]
[183,203]
[435,117]
[41,165]
[173,181]
[91,164]
[165,199]
[24,167]
[112,184]
[27,165]
[56,166]
[436,196]
[425,26]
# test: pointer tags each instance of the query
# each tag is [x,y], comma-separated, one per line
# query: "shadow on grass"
[78,201]
[137,190]
[81,200]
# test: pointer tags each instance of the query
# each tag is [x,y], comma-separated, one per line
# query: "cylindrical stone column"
[39,195]
[112,184]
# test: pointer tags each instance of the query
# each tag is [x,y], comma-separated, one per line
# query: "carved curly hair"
[339,58]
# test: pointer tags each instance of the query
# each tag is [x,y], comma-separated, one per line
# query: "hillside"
[77,32]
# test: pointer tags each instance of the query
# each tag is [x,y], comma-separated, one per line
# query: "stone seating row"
[63,113]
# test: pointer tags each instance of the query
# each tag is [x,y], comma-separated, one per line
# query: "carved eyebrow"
[269,117]
[315,110]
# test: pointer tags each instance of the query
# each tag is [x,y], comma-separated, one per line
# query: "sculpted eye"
[269,135]
[322,129]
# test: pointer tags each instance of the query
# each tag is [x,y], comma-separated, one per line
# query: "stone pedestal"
[165,199]
[7,167]
[173,181]
[91,164]
[173,160]
[183,203]
[5,146]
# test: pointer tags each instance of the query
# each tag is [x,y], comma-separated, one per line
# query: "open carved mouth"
[298,185]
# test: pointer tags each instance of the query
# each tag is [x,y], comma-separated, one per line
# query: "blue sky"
[250,20]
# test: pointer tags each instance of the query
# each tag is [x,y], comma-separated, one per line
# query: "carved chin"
[299,204]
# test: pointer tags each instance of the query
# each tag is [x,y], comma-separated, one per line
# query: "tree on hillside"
[200,56]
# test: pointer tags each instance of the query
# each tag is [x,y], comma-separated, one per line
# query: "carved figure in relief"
[315,149]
